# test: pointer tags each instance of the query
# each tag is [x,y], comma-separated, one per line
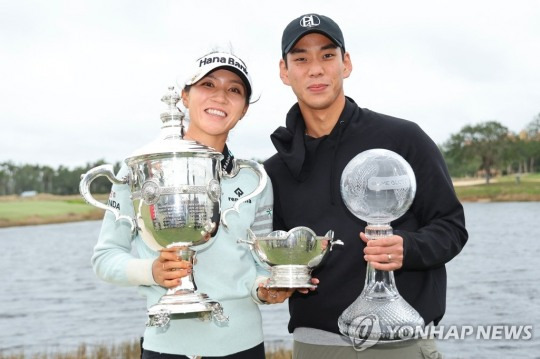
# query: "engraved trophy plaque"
[378,186]
[291,256]
[175,187]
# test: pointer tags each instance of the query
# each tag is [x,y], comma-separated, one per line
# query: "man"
[323,132]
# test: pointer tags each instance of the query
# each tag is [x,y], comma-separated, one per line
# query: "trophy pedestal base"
[290,276]
[184,303]
[380,320]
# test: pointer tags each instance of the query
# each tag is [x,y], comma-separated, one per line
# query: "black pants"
[257,352]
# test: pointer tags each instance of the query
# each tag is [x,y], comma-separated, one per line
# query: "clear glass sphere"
[378,186]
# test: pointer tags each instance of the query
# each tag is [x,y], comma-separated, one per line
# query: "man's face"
[315,70]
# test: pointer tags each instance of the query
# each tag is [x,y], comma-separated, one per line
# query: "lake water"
[52,301]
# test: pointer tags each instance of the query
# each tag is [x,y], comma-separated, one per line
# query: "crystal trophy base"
[380,314]
[290,276]
[380,321]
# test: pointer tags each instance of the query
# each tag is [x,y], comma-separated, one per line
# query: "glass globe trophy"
[378,186]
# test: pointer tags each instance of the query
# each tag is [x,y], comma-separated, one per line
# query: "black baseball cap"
[307,24]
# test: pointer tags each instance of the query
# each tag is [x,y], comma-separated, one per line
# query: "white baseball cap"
[220,60]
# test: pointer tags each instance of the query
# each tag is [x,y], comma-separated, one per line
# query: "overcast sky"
[82,80]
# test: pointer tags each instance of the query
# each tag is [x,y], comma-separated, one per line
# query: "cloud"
[82,80]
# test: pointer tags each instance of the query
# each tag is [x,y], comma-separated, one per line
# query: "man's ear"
[283,72]
[347,63]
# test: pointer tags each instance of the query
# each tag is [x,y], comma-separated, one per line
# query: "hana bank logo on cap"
[212,61]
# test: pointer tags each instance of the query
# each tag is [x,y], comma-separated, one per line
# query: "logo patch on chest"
[239,193]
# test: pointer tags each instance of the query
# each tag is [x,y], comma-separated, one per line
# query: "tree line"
[17,179]
[485,149]
[489,148]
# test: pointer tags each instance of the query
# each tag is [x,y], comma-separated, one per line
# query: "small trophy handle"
[251,241]
[333,242]
[84,189]
[263,178]
[252,238]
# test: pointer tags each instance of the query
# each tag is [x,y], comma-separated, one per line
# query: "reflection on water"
[52,300]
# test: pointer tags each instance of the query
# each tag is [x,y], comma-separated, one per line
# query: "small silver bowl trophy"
[291,256]
[378,186]
[175,187]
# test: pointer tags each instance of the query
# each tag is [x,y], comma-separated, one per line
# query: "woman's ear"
[244,111]
[185,98]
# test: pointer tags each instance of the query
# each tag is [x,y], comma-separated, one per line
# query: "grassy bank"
[43,208]
[128,350]
[500,189]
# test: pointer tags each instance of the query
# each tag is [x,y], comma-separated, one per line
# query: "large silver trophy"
[378,186]
[291,256]
[175,189]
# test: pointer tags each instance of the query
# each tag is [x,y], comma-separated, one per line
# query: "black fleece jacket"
[306,175]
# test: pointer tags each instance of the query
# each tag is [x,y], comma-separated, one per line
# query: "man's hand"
[384,253]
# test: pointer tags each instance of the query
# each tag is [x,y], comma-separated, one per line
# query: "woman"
[216,97]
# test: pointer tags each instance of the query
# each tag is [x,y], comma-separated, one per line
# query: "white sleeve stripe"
[263,218]
[262,229]
[264,211]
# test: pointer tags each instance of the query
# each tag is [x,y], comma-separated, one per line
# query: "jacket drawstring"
[333,168]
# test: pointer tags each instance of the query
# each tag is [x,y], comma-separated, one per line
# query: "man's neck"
[320,122]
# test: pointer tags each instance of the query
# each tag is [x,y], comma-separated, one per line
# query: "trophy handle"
[327,248]
[263,178]
[333,242]
[252,241]
[84,189]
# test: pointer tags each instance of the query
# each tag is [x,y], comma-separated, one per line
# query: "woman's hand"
[168,268]
[279,295]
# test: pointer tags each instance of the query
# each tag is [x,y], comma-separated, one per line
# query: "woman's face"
[216,103]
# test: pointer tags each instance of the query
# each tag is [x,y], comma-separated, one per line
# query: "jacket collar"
[289,141]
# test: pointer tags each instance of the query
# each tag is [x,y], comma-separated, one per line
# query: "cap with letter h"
[307,24]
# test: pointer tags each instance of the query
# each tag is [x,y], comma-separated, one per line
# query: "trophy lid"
[171,139]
